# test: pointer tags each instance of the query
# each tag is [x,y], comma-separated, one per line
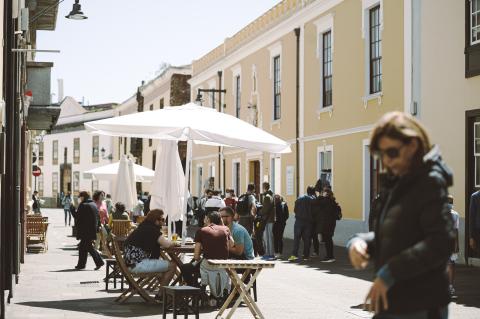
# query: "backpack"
[243,205]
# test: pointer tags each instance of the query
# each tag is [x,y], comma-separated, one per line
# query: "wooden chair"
[121,227]
[36,233]
[137,282]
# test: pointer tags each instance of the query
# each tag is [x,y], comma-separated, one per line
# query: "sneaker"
[277,255]
[306,258]
[79,267]
[451,290]
[268,257]
[292,258]
[328,260]
[314,254]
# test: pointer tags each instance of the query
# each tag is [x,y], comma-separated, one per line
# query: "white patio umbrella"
[125,188]
[190,122]
[110,172]
[168,186]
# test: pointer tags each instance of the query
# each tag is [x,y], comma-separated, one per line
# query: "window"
[55,152]
[55,184]
[476,152]
[236,177]
[76,150]
[276,88]
[125,145]
[162,103]
[76,183]
[154,159]
[275,177]
[40,153]
[151,107]
[212,99]
[95,148]
[474,21]
[94,185]
[375,42]
[238,96]
[40,185]
[327,69]
[325,165]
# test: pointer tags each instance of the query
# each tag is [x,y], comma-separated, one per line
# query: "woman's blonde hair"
[403,127]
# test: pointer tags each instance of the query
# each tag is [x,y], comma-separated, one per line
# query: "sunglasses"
[225,216]
[391,152]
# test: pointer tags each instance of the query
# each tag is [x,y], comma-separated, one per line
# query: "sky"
[104,58]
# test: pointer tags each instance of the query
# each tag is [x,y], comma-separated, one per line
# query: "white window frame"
[323,25]
[211,169]
[471,26]
[475,155]
[236,161]
[366,6]
[41,186]
[254,79]
[95,183]
[323,149]
[238,95]
[55,188]
[276,173]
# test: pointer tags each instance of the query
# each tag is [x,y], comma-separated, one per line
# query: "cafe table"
[174,254]
[253,267]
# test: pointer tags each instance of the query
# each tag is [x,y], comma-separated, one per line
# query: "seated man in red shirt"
[213,241]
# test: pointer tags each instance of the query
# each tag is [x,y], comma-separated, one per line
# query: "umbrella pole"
[188,161]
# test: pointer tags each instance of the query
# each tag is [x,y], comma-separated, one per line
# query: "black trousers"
[327,239]
[316,242]
[85,247]
[278,229]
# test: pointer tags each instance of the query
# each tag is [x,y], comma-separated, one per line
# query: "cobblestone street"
[49,288]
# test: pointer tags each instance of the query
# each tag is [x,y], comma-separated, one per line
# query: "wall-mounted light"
[102,153]
[76,13]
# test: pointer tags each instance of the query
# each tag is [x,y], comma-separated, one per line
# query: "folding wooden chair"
[36,232]
[137,282]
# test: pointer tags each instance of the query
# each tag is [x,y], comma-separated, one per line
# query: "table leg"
[243,290]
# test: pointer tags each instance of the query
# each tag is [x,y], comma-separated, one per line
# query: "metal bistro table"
[173,254]
[239,286]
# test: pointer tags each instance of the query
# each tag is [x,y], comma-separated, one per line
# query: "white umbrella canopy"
[125,188]
[168,186]
[110,172]
[191,122]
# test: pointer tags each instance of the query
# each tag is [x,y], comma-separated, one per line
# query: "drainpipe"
[297,114]
[220,109]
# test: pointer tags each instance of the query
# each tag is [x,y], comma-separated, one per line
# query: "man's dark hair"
[228,210]
[215,218]
[35,192]
[85,195]
[216,192]
[266,185]
[96,195]
[310,190]
[119,207]
[251,187]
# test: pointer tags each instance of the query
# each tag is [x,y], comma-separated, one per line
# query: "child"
[454,256]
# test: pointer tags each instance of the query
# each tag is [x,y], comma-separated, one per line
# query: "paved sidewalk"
[50,288]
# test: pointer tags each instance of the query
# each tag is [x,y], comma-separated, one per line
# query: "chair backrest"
[35,226]
[140,219]
[120,227]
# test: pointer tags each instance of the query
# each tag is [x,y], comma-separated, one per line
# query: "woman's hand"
[358,254]
[377,296]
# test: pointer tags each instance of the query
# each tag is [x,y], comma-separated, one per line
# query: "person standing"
[66,203]
[246,208]
[474,222]
[268,216]
[281,216]
[302,228]
[138,209]
[230,199]
[329,213]
[109,204]
[454,257]
[413,236]
[36,203]
[86,222]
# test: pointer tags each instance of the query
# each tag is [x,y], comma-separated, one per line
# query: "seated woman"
[142,248]
[118,213]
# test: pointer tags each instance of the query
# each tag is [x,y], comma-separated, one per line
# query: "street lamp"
[75,14]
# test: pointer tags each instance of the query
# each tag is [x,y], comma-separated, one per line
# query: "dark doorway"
[472,167]
[254,172]
[65,178]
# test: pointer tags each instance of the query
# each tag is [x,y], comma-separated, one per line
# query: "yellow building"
[317,74]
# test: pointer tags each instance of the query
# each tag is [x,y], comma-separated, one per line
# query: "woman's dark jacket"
[86,220]
[414,237]
[146,237]
[325,211]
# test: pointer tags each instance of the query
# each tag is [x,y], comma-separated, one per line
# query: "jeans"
[278,229]
[302,230]
[327,239]
[69,214]
[440,313]
[150,265]
[268,240]
[84,248]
